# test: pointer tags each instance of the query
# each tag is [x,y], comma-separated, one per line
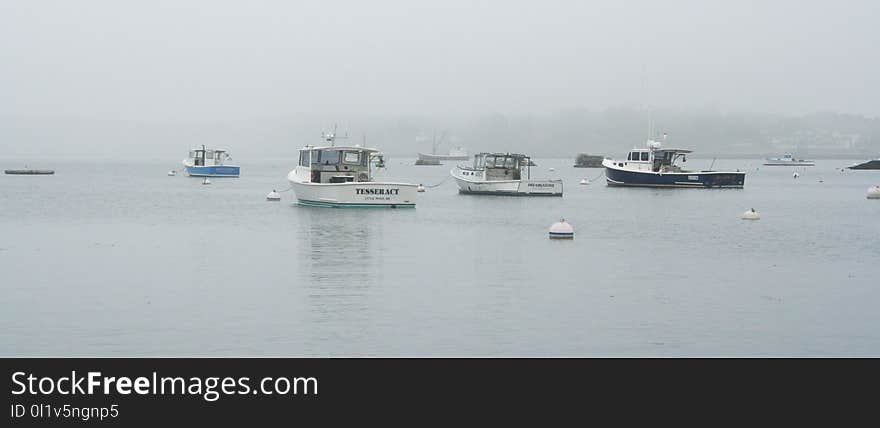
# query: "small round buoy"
[795,175]
[751,215]
[420,188]
[206,181]
[172,173]
[584,181]
[874,192]
[551,169]
[561,230]
[273,196]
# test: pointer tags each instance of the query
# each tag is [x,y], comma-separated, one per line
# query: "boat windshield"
[663,159]
[328,157]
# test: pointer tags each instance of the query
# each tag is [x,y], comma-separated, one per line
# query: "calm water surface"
[115,258]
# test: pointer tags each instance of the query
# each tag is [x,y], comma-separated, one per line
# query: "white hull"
[773,163]
[433,157]
[354,194]
[508,187]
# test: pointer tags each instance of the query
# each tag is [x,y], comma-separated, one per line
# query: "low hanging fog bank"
[561,134]
[549,78]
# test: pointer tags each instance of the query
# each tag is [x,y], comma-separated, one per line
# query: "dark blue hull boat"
[699,179]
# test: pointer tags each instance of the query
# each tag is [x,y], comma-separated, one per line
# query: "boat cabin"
[208,157]
[339,164]
[655,158]
[502,166]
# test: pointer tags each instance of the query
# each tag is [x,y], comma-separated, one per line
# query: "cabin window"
[304,158]
[329,157]
[509,162]
[634,156]
[644,156]
[490,162]
[192,154]
[351,158]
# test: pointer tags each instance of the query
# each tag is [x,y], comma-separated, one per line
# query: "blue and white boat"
[655,166]
[204,162]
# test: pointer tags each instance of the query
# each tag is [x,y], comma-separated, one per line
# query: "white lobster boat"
[342,177]
[503,174]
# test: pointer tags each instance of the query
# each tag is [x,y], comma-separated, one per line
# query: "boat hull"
[354,194]
[775,163]
[510,187]
[432,157]
[213,171]
[693,179]
[871,164]
[29,171]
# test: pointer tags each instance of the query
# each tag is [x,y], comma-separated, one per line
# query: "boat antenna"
[331,137]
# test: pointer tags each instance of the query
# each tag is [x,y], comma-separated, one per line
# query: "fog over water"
[148,77]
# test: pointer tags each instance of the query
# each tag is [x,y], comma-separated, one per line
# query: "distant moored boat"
[203,162]
[787,160]
[871,164]
[30,171]
[584,160]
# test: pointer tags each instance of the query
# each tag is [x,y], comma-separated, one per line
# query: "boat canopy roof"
[501,154]
[341,148]
[673,149]
[207,149]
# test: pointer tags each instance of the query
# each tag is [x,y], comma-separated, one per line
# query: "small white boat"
[204,162]
[787,160]
[342,177]
[434,158]
[455,153]
[503,174]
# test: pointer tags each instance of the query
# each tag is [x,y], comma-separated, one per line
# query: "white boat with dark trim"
[204,162]
[503,174]
[655,166]
[342,177]
[787,160]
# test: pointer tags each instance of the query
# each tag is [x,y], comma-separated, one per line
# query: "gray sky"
[206,60]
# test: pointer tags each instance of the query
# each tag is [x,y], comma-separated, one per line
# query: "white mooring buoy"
[874,192]
[584,181]
[172,173]
[551,169]
[206,181]
[420,188]
[751,215]
[273,196]
[561,230]
[795,175]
